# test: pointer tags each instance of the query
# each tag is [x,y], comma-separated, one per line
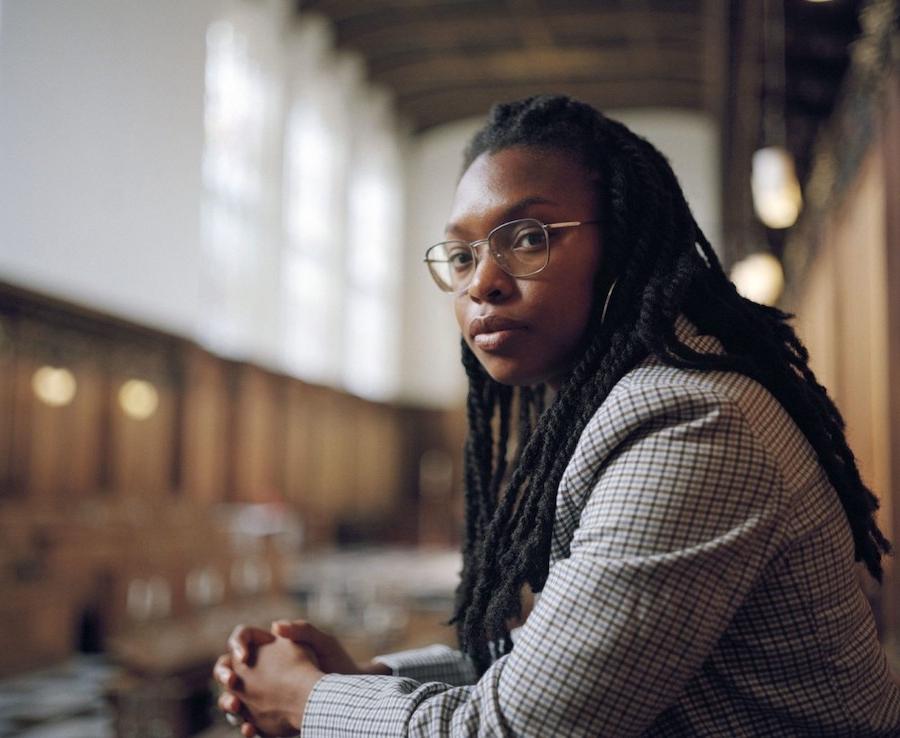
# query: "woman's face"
[526,330]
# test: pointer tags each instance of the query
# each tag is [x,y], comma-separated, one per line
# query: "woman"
[687,506]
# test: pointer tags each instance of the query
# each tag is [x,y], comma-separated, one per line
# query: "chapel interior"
[229,391]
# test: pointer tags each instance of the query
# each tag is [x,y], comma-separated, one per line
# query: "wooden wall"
[91,498]
[842,318]
[847,301]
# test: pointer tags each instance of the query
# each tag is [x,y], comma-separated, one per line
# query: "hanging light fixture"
[777,198]
[776,192]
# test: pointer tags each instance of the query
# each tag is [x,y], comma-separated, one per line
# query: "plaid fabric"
[437,663]
[702,584]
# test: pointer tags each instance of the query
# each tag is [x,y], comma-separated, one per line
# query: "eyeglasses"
[521,248]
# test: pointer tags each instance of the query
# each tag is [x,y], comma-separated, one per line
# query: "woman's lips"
[496,340]
[493,332]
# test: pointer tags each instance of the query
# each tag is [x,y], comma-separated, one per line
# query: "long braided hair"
[665,267]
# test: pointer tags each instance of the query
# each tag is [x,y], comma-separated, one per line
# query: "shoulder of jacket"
[663,395]
[654,394]
[659,382]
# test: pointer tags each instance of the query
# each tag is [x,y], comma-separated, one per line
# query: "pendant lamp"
[777,198]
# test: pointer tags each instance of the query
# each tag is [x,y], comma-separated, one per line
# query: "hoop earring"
[608,298]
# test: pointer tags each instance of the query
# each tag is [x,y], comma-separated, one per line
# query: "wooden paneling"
[848,308]
[232,431]
[817,317]
[55,449]
[7,407]
[205,423]
[378,455]
[298,433]
[94,499]
[889,139]
[142,450]
[259,444]
[860,250]
[222,430]
[334,444]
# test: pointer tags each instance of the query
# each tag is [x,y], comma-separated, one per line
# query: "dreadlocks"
[665,266]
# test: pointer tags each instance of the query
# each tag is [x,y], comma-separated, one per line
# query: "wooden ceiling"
[450,59]
[445,60]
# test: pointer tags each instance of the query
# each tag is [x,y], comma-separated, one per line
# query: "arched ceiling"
[444,60]
[449,59]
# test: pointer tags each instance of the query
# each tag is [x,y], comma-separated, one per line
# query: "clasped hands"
[267,676]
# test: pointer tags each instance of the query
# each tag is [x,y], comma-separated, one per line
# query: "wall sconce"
[54,386]
[759,277]
[138,399]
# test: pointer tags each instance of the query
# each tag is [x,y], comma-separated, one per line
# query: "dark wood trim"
[231,493]
[22,302]
[890,141]
[429,108]
[178,374]
[104,435]
[740,130]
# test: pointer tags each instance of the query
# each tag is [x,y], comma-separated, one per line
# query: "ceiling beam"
[643,55]
[369,28]
[531,23]
[538,64]
[437,105]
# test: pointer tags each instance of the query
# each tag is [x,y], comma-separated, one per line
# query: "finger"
[229,703]
[224,660]
[243,638]
[247,730]
[226,677]
[300,631]
[223,667]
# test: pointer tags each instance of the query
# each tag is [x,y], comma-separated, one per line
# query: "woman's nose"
[489,282]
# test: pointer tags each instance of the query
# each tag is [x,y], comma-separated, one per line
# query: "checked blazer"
[702,583]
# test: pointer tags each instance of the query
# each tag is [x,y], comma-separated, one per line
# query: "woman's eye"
[529,240]
[460,260]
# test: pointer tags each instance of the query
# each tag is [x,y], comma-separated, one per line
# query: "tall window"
[302,261]
[239,108]
[373,269]
[314,220]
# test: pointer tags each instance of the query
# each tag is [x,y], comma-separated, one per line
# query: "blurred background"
[229,391]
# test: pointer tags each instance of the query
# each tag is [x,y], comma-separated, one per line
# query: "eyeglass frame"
[473,247]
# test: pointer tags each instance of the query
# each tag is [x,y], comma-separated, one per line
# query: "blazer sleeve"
[436,663]
[681,518]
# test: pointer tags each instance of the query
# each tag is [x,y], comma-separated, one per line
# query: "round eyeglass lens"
[520,247]
[451,264]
